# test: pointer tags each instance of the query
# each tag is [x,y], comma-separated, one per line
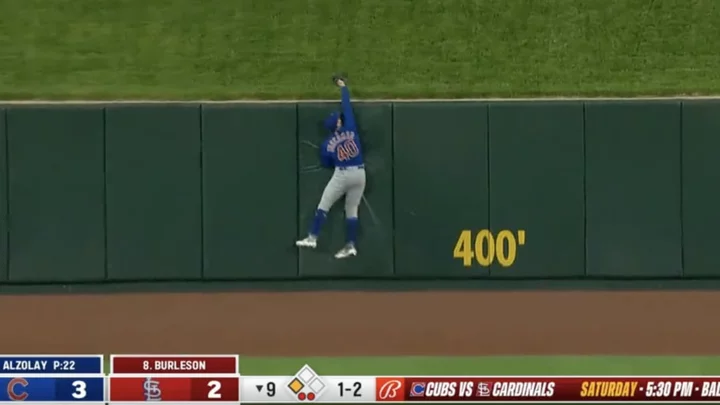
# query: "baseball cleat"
[347,251]
[307,242]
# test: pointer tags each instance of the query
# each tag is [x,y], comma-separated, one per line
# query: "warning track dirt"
[366,323]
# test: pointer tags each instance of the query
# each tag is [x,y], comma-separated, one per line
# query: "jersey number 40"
[347,150]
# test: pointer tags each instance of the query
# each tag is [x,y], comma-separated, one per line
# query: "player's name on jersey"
[174,364]
[51,364]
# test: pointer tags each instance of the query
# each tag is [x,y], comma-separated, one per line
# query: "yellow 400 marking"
[488,248]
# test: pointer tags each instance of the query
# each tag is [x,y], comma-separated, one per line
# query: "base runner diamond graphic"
[306,385]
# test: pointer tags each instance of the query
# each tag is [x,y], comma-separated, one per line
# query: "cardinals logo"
[483,390]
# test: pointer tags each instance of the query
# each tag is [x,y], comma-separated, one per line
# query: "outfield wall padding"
[515,190]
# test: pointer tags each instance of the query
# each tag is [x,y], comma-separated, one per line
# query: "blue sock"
[352,228]
[318,222]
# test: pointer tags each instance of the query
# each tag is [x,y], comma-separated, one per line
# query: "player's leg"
[352,205]
[333,191]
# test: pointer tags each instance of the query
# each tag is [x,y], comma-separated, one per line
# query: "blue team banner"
[48,389]
[81,364]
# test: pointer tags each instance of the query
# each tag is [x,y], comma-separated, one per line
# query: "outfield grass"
[505,365]
[223,49]
[489,365]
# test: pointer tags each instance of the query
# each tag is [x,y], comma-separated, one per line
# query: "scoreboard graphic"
[174,378]
[216,379]
[55,379]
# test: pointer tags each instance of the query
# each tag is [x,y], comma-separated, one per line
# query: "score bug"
[17,388]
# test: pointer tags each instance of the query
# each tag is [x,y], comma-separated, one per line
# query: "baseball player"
[341,150]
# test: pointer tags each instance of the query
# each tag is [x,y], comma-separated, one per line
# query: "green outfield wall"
[551,189]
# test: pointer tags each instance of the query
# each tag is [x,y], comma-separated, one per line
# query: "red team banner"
[174,389]
[174,365]
[177,378]
[548,389]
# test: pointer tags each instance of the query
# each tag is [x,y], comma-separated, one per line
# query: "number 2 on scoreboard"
[215,389]
[214,392]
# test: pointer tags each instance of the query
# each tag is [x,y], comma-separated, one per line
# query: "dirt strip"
[365,323]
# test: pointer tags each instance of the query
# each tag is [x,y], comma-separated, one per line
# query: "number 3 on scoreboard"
[214,392]
[80,389]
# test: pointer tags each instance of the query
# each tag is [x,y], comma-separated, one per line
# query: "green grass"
[505,365]
[490,365]
[224,49]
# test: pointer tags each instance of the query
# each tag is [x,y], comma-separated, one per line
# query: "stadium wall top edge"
[397,100]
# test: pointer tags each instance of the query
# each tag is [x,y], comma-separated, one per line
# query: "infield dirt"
[365,323]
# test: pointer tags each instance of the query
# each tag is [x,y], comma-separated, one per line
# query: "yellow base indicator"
[295,385]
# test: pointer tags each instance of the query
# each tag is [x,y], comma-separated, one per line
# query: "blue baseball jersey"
[342,147]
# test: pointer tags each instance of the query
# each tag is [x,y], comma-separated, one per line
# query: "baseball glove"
[339,76]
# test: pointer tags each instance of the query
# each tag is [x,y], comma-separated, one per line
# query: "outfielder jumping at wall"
[341,150]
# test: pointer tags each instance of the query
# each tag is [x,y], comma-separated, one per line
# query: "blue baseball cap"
[331,120]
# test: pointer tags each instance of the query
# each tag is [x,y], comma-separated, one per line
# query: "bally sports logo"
[389,389]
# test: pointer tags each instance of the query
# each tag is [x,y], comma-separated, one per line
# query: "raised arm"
[347,109]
